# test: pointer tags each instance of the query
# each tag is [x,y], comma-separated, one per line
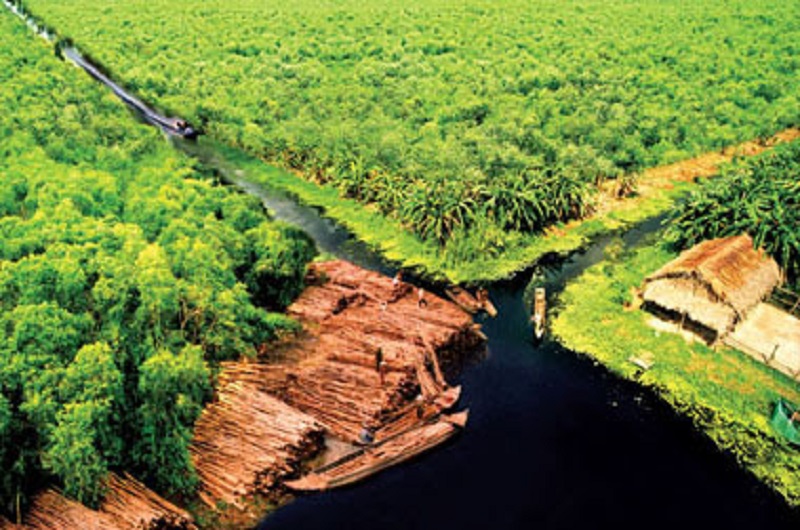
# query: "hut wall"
[692,298]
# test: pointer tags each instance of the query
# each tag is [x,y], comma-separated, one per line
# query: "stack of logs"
[133,505]
[353,313]
[128,505]
[247,440]
[269,417]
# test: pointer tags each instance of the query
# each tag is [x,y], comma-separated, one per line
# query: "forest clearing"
[161,321]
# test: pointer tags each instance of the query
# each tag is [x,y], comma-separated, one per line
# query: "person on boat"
[181,125]
[795,416]
[367,435]
[538,325]
[421,302]
[383,307]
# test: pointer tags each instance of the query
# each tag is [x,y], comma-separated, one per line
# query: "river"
[553,440]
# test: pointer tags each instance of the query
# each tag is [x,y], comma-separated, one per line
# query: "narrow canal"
[553,440]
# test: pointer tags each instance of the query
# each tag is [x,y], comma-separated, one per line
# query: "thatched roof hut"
[713,284]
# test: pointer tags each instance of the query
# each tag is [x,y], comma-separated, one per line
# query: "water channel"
[553,440]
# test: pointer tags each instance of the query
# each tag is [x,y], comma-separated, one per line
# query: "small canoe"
[539,312]
[370,460]
[469,303]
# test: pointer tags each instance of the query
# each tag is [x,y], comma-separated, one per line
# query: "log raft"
[269,416]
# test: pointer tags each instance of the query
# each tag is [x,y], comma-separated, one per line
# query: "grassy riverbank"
[397,244]
[725,393]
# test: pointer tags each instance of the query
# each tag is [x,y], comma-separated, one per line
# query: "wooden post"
[774,351]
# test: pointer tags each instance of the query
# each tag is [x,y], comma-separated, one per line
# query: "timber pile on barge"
[368,360]
[352,313]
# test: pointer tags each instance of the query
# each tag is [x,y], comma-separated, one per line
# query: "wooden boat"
[539,312]
[469,303]
[375,458]
[416,413]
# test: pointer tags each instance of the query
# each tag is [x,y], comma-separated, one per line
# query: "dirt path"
[654,180]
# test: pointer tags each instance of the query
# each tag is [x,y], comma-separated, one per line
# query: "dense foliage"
[759,196]
[463,120]
[124,276]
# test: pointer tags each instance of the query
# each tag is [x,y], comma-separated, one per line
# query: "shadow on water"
[553,441]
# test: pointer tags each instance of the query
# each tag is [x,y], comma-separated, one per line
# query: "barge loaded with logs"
[362,388]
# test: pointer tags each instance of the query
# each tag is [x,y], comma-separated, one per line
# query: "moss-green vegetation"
[472,126]
[727,394]
[759,196]
[125,275]
[503,256]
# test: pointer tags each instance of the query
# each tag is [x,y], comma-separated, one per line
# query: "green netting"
[782,423]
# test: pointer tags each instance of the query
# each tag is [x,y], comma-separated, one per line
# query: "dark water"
[553,440]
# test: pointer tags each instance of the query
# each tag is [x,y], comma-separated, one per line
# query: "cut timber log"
[372,459]
[133,505]
[469,303]
[128,505]
[417,412]
[246,441]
